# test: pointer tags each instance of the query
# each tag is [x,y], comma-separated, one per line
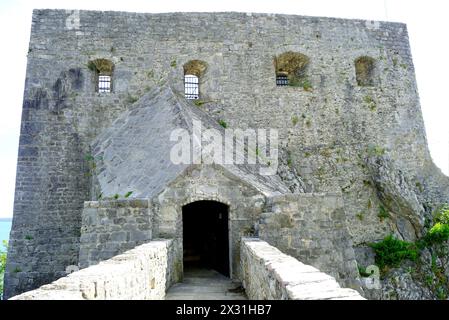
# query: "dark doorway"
[205,236]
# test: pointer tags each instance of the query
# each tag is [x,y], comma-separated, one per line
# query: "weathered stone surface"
[270,274]
[312,228]
[110,227]
[76,143]
[142,273]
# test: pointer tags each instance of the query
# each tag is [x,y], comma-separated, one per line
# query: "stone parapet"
[270,274]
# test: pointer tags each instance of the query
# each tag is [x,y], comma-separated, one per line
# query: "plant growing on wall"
[2,265]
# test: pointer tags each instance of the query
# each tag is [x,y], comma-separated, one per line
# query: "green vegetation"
[390,252]
[363,272]
[326,153]
[370,103]
[303,83]
[419,186]
[306,85]
[200,103]
[289,159]
[374,150]
[91,66]
[441,215]
[173,64]
[366,183]
[395,61]
[383,213]
[222,123]
[295,120]
[438,234]
[115,196]
[2,264]
[130,99]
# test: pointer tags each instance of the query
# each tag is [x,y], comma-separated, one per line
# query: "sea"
[5,228]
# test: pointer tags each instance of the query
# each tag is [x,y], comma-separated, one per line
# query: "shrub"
[363,272]
[222,123]
[2,265]
[390,252]
[442,215]
[383,213]
[295,120]
[439,233]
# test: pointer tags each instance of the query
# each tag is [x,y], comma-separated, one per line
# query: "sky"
[427,23]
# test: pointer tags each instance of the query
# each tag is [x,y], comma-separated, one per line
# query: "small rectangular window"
[191,87]
[281,80]
[104,83]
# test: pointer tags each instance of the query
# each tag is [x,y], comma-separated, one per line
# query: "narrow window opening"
[292,70]
[104,83]
[191,86]
[103,71]
[281,80]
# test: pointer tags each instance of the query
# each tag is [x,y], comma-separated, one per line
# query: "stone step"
[205,285]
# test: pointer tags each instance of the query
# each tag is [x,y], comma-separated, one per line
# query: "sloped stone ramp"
[204,284]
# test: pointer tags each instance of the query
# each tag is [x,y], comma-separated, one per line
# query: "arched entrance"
[206,236]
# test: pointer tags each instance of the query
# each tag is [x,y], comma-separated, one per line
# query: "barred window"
[281,80]
[104,83]
[191,86]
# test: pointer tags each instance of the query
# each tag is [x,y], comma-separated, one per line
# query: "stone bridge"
[146,273]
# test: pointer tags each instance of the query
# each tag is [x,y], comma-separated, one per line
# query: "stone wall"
[271,275]
[142,273]
[209,183]
[326,129]
[312,228]
[110,227]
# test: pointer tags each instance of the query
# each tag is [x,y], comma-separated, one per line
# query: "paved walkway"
[203,284]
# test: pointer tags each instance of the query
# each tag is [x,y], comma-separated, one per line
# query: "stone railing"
[142,273]
[270,274]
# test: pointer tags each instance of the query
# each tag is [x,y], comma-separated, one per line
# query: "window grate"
[191,87]
[104,84]
[281,80]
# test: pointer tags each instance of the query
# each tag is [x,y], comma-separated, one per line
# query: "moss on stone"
[294,66]
[195,67]
[364,70]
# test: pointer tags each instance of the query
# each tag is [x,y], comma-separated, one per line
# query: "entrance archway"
[206,236]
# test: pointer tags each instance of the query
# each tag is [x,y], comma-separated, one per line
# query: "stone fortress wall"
[329,130]
[145,273]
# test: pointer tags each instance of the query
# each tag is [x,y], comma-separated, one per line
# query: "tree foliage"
[2,264]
